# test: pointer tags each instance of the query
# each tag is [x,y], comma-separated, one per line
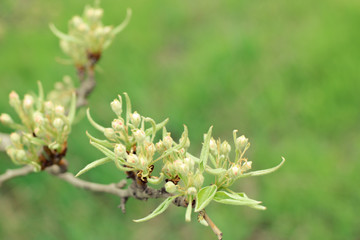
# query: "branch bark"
[215,229]
[13,173]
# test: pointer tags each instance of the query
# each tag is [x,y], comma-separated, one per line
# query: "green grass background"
[285,73]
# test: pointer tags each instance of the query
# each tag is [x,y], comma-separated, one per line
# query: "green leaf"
[159,126]
[263,172]
[95,125]
[156,180]
[107,152]
[204,197]
[216,171]
[237,199]
[205,151]
[72,109]
[160,209]
[62,35]
[153,125]
[93,164]
[105,143]
[121,27]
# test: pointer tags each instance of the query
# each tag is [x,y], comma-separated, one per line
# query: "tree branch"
[12,173]
[215,229]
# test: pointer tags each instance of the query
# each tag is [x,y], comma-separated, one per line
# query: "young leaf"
[263,172]
[107,152]
[105,143]
[62,35]
[156,180]
[216,171]
[205,151]
[95,125]
[159,126]
[237,199]
[204,197]
[93,164]
[124,23]
[160,209]
[72,109]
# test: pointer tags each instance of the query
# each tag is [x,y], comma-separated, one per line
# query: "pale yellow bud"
[170,187]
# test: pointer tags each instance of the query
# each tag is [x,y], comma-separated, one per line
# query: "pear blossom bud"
[90,12]
[98,13]
[139,135]
[76,20]
[198,180]
[15,138]
[106,30]
[59,110]
[58,123]
[135,119]
[191,191]
[241,143]
[168,141]
[120,150]
[20,155]
[132,159]
[28,101]
[160,146]
[116,106]
[189,162]
[234,170]
[109,133]
[118,125]
[170,187]
[38,118]
[225,148]
[246,166]
[14,99]
[49,107]
[38,131]
[150,149]
[213,146]
[6,119]
[143,161]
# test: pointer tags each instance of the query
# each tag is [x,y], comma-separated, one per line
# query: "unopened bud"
[76,20]
[118,125]
[6,119]
[59,110]
[198,180]
[58,123]
[135,119]
[189,162]
[38,118]
[170,187]
[191,191]
[143,161]
[234,170]
[49,107]
[106,30]
[241,143]
[14,99]
[120,150]
[132,159]
[20,155]
[213,146]
[110,133]
[225,148]
[246,166]
[168,141]
[150,149]
[15,138]
[28,101]
[90,12]
[116,106]
[139,135]
[160,146]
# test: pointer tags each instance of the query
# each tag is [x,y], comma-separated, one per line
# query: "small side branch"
[12,173]
[215,229]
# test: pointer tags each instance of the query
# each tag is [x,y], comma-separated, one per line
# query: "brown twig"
[13,173]
[215,229]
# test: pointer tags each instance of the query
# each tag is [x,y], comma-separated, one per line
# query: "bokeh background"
[285,73]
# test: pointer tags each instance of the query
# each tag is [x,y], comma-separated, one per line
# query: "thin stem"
[215,229]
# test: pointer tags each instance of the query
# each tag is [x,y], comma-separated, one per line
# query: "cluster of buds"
[87,37]
[43,130]
[62,92]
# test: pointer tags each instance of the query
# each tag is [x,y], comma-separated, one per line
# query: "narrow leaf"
[62,35]
[104,150]
[105,143]
[160,209]
[72,109]
[205,151]
[263,172]
[216,171]
[124,23]
[93,164]
[234,199]
[204,197]
[156,180]
[95,125]
[159,126]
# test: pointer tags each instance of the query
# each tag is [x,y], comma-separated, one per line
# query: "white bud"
[225,148]
[116,106]
[106,30]
[143,161]
[59,110]
[20,155]
[213,146]
[58,123]
[120,150]
[150,149]
[83,27]
[191,191]
[168,141]
[198,180]
[139,135]
[14,99]
[234,170]
[49,107]
[38,118]
[135,119]
[98,13]
[132,159]
[118,125]
[241,143]
[28,101]
[76,20]
[246,166]
[110,133]
[38,131]
[6,119]
[189,162]
[90,12]
[160,146]
[15,138]
[170,187]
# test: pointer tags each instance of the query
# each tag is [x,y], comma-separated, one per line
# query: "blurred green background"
[285,73]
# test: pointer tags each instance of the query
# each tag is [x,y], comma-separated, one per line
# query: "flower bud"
[189,162]
[160,146]
[118,125]
[198,180]
[28,101]
[191,191]
[225,148]
[14,99]
[139,135]
[58,123]
[150,149]
[135,119]
[59,110]
[120,150]
[90,12]
[246,166]
[38,118]
[76,20]
[168,141]
[234,170]
[20,155]
[110,133]
[98,13]
[49,107]
[132,159]
[15,138]
[213,146]
[116,106]
[241,143]
[38,132]
[143,161]
[170,187]
[6,119]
